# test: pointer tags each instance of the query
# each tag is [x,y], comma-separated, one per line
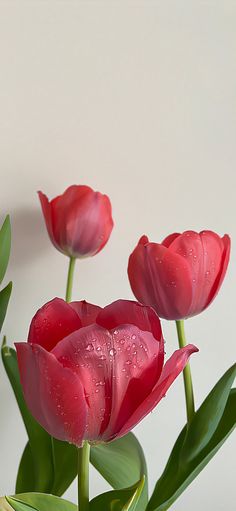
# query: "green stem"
[83,477]
[70,279]
[188,385]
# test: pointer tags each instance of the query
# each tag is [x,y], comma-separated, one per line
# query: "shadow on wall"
[29,236]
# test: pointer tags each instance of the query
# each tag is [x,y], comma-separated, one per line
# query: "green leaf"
[19,506]
[179,473]
[65,466]
[25,481]
[5,246]
[40,502]
[119,500]
[40,441]
[205,422]
[122,464]
[4,300]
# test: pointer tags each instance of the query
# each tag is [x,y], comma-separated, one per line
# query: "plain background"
[137,100]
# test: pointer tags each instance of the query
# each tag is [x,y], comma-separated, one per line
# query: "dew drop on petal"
[112,352]
[89,347]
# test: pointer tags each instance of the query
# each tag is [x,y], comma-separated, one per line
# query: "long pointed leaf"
[40,502]
[206,420]
[4,300]
[119,500]
[5,246]
[178,475]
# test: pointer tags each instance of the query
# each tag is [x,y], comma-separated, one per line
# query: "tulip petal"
[47,213]
[137,367]
[169,239]
[161,278]
[172,369]
[87,312]
[123,312]
[54,321]
[86,352]
[222,271]
[203,252]
[118,369]
[53,394]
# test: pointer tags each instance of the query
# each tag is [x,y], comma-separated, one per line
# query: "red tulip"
[79,222]
[95,382]
[181,276]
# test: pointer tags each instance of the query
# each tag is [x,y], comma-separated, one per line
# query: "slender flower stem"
[70,279]
[188,385]
[83,477]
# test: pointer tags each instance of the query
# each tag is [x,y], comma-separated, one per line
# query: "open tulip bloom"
[95,382]
[87,375]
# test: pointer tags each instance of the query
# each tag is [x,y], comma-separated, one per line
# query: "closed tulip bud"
[181,276]
[79,222]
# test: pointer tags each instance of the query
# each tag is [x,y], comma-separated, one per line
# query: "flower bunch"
[87,375]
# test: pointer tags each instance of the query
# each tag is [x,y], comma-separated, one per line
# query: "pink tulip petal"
[169,239]
[137,367]
[223,267]
[172,369]
[161,278]
[204,254]
[53,394]
[143,240]
[123,312]
[86,352]
[54,321]
[87,312]
[118,369]
[46,209]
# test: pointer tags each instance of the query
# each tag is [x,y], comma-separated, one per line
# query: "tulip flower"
[91,374]
[181,276]
[79,222]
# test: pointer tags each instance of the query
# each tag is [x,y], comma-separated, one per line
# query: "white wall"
[136,99]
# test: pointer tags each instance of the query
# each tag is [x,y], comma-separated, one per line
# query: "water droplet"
[112,352]
[128,362]
[102,357]
[89,347]
[133,337]
[122,341]
[115,332]
[98,348]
